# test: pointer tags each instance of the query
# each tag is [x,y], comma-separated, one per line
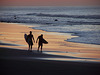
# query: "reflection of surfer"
[29,40]
[41,41]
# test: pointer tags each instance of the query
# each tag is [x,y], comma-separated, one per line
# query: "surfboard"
[44,41]
[25,36]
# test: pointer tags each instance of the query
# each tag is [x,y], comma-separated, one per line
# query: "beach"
[58,57]
[12,35]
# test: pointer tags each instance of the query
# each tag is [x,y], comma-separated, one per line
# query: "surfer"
[40,43]
[30,41]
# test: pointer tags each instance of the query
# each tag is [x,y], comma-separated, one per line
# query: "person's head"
[41,35]
[30,32]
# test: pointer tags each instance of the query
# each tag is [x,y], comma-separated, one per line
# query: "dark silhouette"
[40,43]
[56,20]
[30,41]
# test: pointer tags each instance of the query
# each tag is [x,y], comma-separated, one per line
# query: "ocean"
[80,21]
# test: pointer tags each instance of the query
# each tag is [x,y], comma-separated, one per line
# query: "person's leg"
[41,47]
[38,47]
[29,47]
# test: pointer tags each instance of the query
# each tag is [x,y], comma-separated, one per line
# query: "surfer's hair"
[30,31]
[41,34]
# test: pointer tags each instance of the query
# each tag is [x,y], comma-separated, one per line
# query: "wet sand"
[23,62]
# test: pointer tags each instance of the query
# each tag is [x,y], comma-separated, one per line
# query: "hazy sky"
[48,2]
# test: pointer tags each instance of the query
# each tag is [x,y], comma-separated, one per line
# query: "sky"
[48,2]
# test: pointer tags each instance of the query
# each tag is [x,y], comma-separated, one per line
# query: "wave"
[48,23]
[68,16]
[88,34]
[82,23]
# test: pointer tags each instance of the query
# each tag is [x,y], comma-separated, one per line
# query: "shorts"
[30,43]
[40,44]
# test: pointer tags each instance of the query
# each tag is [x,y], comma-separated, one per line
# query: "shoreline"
[19,54]
[59,33]
[56,42]
[32,26]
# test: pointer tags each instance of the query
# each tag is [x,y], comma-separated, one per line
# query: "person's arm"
[33,39]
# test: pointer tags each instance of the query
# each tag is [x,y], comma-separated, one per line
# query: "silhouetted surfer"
[30,39]
[41,41]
